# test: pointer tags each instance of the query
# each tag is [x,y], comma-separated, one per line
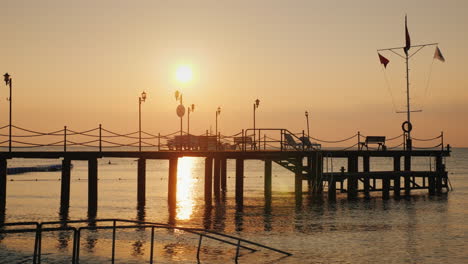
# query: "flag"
[383,60]
[438,55]
[407,38]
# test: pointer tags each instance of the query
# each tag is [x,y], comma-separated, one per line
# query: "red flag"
[407,38]
[383,60]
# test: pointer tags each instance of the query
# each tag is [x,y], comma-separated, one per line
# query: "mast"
[408,109]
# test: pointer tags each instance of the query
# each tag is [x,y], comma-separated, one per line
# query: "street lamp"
[191,108]
[9,81]
[307,119]
[218,112]
[141,99]
[255,106]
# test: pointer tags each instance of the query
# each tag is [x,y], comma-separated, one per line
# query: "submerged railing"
[40,228]
[279,139]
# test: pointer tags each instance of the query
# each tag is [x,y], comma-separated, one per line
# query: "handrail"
[137,224]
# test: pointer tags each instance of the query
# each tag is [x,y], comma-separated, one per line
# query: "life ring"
[407,126]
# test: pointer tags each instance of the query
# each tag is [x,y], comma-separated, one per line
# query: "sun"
[184,74]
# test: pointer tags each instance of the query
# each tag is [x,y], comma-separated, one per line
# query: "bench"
[380,140]
[239,141]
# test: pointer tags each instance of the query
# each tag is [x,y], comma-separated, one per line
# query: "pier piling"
[240,182]
[396,180]
[65,184]
[298,181]
[208,180]
[223,176]
[172,183]
[141,181]
[366,168]
[352,180]
[3,184]
[267,180]
[92,186]
[407,177]
[440,170]
[217,179]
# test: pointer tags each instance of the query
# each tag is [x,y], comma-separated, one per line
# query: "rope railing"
[246,140]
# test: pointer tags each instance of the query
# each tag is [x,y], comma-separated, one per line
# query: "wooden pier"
[306,167]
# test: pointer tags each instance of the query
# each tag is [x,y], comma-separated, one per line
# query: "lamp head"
[218,111]
[143,96]
[177,94]
[257,102]
[7,78]
[306,113]
[193,107]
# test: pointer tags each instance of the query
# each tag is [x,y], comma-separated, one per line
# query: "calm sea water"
[420,229]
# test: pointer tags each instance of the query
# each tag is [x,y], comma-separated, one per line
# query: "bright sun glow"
[184,74]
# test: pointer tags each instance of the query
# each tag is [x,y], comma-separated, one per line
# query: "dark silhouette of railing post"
[100,138]
[65,139]
[3,184]
[442,139]
[359,140]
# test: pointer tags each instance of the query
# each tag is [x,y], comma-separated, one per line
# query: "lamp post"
[141,99]
[190,109]
[307,119]
[255,106]
[9,81]
[180,113]
[218,112]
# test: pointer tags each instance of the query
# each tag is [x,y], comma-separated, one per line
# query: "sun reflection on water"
[186,182]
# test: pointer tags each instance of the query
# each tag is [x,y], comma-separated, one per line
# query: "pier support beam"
[407,178]
[3,184]
[396,180]
[172,183]
[92,187]
[267,182]
[141,182]
[223,176]
[352,180]
[240,182]
[217,179]
[298,181]
[332,189]
[208,180]
[386,188]
[366,168]
[65,185]
[440,171]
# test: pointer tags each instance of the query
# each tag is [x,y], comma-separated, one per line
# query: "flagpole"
[408,109]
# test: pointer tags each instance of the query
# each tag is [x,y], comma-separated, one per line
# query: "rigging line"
[427,83]
[401,56]
[420,48]
[389,88]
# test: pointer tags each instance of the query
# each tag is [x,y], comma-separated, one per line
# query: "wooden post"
[366,168]
[267,182]
[332,189]
[141,181]
[386,188]
[3,184]
[92,186]
[223,176]
[240,182]
[407,177]
[217,179]
[352,180]
[298,181]
[65,184]
[396,180]
[440,171]
[208,180]
[172,184]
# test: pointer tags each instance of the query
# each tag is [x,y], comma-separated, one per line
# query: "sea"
[415,229]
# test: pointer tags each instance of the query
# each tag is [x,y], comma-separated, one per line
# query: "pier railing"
[118,224]
[266,139]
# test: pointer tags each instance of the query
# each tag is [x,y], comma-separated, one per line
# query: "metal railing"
[40,228]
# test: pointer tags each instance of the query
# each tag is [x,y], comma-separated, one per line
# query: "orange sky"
[81,63]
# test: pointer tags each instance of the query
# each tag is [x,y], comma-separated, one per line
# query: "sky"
[84,63]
